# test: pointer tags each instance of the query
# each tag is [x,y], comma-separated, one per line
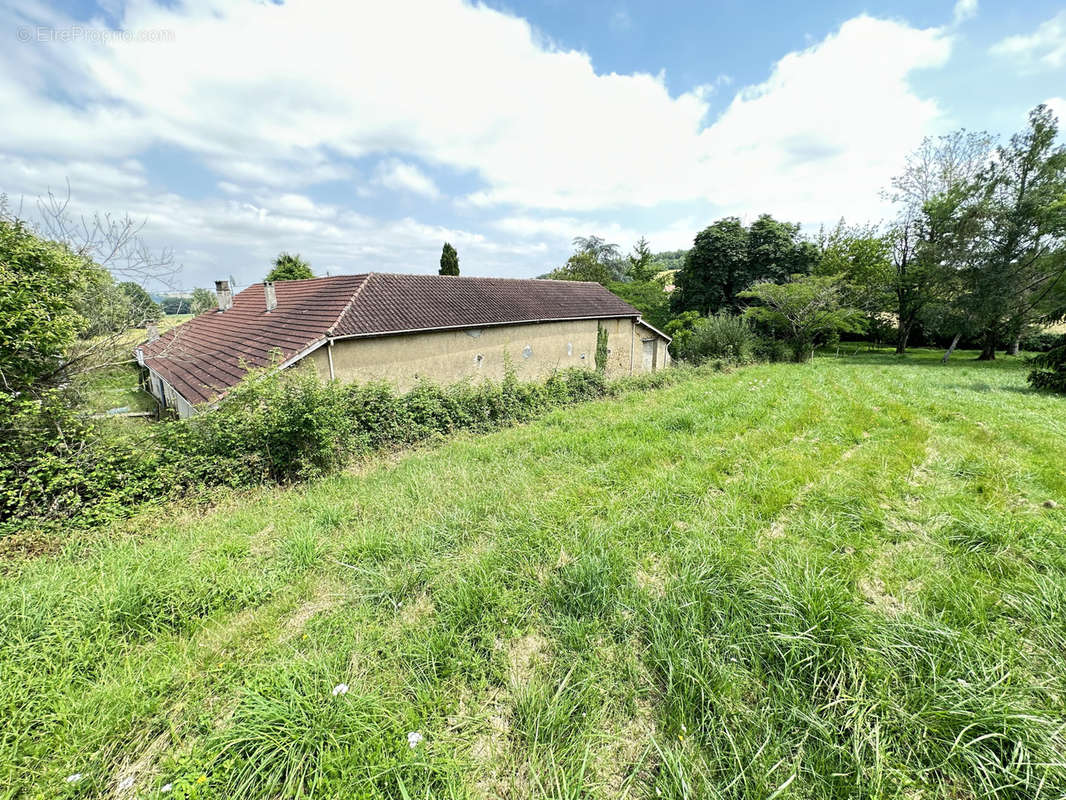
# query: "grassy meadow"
[844,578]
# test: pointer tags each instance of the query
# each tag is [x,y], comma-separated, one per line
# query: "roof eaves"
[649,326]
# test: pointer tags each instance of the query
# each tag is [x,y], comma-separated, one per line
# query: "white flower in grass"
[340,688]
[167,787]
[413,738]
[125,783]
[77,776]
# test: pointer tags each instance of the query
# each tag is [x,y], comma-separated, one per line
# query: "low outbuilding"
[401,329]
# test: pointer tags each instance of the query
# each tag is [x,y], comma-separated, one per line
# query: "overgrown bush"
[721,336]
[772,350]
[273,427]
[56,464]
[1049,369]
[1039,342]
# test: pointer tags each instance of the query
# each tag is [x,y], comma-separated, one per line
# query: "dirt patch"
[651,577]
[493,740]
[523,657]
[877,595]
[28,545]
[628,743]
[414,612]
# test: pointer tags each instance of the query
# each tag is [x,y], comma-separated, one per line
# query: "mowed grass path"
[837,579]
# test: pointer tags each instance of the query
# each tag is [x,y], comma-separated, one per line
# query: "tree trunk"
[988,349]
[1015,346]
[951,348]
[902,337]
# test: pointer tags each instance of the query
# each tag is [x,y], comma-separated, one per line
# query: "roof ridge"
[349,304]
[482,278]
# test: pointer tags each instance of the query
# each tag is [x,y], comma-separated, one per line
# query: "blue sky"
[363,135]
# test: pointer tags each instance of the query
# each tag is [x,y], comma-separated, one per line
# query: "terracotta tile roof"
[390,303]
[205,356]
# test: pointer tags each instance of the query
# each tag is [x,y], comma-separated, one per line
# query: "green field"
[846,578]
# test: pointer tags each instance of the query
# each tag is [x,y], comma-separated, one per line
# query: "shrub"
[772,350]
[1049,369]
[721,336]
[54,463]
[272,427]
[1039,342]
[279,426]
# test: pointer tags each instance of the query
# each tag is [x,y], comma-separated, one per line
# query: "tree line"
[975,253]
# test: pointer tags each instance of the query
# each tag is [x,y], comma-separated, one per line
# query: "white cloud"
[1045,48]
[401,176]
[828,128]
[476,90]
[964,10]
[556,145]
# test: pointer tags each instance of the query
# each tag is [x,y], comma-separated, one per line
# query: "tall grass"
[844,578]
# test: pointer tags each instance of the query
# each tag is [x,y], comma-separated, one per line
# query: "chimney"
[271,295]
[153,331]
[225,296]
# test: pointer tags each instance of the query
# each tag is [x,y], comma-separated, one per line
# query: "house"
[400,329]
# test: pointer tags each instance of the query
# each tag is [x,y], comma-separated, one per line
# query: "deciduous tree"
[805,310]
[727,258]
[202,300]
[289,267]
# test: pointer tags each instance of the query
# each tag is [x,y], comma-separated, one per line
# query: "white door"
[647,361]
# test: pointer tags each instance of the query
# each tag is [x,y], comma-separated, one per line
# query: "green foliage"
[55,463]
[289,267]
[142,307]
[728,257]
[594,260]
[172,304]
[641,262]
[647,297]
[805,311]
[1002,234]
[1049,368]
[102,304]
[202,300]
[668,260]
[449,260]
[680,329]
[39,319]
[1040,342]
[723,337]
[583,267]
[601,349]
[273,427]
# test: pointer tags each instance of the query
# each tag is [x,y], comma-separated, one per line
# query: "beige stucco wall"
[533,350]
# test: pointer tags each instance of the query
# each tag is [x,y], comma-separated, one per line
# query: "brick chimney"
[225,296]
[271,295]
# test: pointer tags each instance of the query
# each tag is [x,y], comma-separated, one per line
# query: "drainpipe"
[329,355]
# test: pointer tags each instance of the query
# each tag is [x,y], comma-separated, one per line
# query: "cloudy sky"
[364,134]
